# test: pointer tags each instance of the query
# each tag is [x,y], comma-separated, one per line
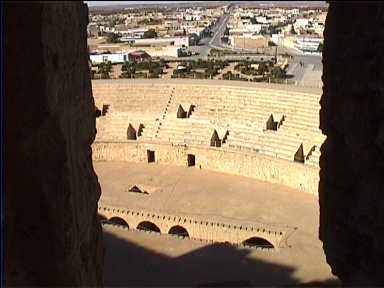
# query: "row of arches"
[180,231]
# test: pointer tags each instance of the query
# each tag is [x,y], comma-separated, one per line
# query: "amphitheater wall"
[273,170]
[196,227]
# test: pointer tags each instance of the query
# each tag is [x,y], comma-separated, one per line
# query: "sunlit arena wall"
[267,132]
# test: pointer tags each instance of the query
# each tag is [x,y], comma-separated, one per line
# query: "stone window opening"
[299,155]
[179,231]
[215,139]
[131,132]
[97,112]
[140,130]
[118,221]
[148,226]
[271,124]
[258,242]
[225,137]
[181,112]
[191,160]
[191,109]
[102,218]
[310,152]
[151,156]
[105,109]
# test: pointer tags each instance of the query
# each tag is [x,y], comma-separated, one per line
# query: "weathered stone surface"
[268,169]
[352,161]
[53,236]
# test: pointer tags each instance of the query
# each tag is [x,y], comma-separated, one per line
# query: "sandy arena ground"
[143,259]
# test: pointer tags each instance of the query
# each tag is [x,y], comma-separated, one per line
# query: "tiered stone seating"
[137,99]
[241,111]
[314,158]
[185,131]
[114,126]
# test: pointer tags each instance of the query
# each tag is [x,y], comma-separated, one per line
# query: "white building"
[113,58]
[302,22]
[176,41]
[256,28]
[261,19]
[308,44]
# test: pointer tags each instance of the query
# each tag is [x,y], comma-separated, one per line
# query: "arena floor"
[161,260]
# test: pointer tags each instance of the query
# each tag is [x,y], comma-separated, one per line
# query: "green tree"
[263,68]
[150,34]
[293,30]
[278,73]
[113,38]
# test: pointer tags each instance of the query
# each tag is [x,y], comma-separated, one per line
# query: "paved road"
[309,72]
[221,25]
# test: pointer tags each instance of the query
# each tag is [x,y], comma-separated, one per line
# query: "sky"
[104,3]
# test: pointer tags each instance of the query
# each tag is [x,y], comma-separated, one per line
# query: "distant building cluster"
[160,31]
[250,28]
[163,31]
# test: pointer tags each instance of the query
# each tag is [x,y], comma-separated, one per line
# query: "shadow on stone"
[215,265]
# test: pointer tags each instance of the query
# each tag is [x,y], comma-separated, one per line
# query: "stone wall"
[273,170]
[199,227]
[53,236]
[352,161]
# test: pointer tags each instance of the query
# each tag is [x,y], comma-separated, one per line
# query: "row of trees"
[103,70]
[135,69]
[211,68]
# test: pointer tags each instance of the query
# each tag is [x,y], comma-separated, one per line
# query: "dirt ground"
[142,259]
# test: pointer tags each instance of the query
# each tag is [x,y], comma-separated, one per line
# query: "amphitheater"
[213,161]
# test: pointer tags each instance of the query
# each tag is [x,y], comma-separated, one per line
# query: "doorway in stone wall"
[191,160]
[151,156]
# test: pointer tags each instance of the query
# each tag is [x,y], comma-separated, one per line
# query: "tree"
[293,30]
[278,73]
[263,68]
[150,34]
[113,38]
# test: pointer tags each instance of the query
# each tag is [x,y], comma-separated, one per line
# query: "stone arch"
[148,226]
[299,155]
[258,242]
[215,139]
[118,221]
[131,132]
[179,230]
[101,217]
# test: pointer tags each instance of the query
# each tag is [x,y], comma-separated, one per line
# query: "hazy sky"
[103,3]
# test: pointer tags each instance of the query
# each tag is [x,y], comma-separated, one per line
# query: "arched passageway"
[179,231]
[102,218]
[258,242]
[118,221]
[148,226]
